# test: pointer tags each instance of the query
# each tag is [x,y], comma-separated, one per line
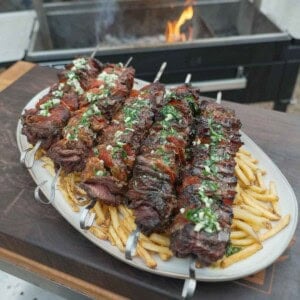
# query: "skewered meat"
[152,188]
[119,145]
[46,121]
[80,73]
[110,88]
[72,151]
[202,227]
[82,130]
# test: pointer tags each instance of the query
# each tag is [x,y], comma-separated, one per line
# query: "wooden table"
[35,236]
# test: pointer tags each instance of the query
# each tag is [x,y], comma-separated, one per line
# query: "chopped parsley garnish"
[132,111]
[216,132]
[230,250]
[204,219]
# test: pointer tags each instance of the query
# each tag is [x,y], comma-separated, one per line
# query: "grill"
[234,47]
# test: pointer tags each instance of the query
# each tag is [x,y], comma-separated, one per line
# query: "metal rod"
[38,195]
[219,97]
[27,157]
[128,61]
[190,283]
[53,185]
[160,72]
[188,78]
[95,51]
[132,243]
[87,219]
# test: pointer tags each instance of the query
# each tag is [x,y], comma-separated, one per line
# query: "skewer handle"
[27,157]
[87,218]
[190,283]
[39,195]
[132,243]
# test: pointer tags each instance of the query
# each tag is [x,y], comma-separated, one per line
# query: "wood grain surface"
[39,233]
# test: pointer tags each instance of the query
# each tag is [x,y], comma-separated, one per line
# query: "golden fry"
[164,256]
[122,234]
[122,209]
[249,199]
[241,175]
[256,189]
[238,234]
[263,197]
[114,217]
[96,231]
[244,253]
[246,170]
[284,221]
[273,191]
[251,209]
[248,162]
[250,218]
[160,239]
[144,254]
[260,179]
[116,238]
[99,213]
[242,242]
[250,158]
[246,228]
[244,151]
[155,248]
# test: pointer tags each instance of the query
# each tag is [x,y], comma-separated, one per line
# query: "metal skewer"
[28,161]
[128,62]
[87,218]
[38,194]
[131,243]
[190,283]
[219,97]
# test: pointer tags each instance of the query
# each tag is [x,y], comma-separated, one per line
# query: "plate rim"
[120,256]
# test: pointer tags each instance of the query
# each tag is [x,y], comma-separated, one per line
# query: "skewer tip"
[188,78]
[160,72]
[219,97]
[128,61]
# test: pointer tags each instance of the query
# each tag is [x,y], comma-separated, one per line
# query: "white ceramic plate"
[176,267]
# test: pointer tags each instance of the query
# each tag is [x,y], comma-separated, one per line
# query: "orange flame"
[173,33]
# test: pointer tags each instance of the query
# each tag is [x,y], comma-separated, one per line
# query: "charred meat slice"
[109,89]
[45,128]
[46,121]
[120,143]
[202,228]
[87,124]
[80,73]
[151,190]
[79,137]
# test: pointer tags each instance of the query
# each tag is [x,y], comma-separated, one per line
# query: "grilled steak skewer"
[202,228]
[106,174]
[81,132]
[152,188]
[46,121]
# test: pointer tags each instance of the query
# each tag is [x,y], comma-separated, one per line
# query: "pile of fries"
[255,208]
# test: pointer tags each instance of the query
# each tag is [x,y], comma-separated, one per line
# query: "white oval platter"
[176,267]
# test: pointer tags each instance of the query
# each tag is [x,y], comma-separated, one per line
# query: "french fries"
[244,253]
[255,208]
